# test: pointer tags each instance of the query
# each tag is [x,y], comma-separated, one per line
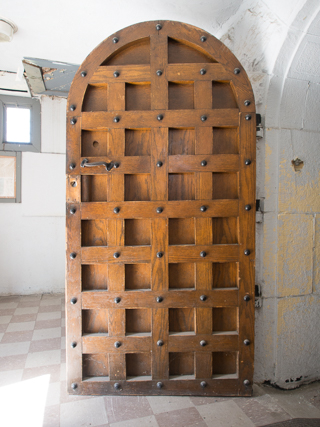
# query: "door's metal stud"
[73,255]
[160,343]
[73,211]
[159,254]
[116,119]
[203,71]
[203,297]
[116,165]
[159,73]
[72,166]
[116,255]
[116,210]
[246,342]
[246,298]
[248,117]
[247,252]
[247,162]
[203,384]
[203,38]
[73,344]
[117,344]
[117,300]
[159,210]
[73,121]
[203,208]
[247,102]
[203,254]
[74,386]
[73,183]
[203,118]
[203,343]
[236,71]
[204,163]
[117,386]
[247,207]
[116,74]
[72,107]
[246,382]
[159,384]
[159,299]
[158,27]
[159,164]
[73,301]
[160,117]
[83,73]
[115,39]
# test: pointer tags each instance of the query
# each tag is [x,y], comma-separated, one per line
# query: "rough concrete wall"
[287,352]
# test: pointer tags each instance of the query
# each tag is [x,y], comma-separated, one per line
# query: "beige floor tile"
[224,414]
[297,406]
[6,305]
[14,349]
[4,320]
[138,422]
[42,334]
[43,358]
[88,412]
[26,310]
[23,326]
[49,316]
[53,397]
[168,403]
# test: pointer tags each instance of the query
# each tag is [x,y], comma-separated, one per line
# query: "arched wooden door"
[160,248]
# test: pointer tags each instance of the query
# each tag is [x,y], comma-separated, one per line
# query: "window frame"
[17,155]
[35,125]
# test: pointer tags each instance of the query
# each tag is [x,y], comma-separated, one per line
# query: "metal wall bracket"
[259,129]
[257,296]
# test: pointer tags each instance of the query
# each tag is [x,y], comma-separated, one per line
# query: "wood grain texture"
[143,100]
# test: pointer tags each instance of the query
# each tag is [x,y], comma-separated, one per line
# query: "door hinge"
[259,211]
[257,296]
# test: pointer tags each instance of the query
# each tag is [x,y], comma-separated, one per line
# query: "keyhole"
[95,144]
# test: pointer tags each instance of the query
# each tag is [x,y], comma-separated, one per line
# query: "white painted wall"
[32,232]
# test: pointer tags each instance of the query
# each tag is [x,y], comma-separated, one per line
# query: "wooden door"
[160,236]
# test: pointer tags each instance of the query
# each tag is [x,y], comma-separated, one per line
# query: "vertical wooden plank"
[247,242]
[73,295]
[158,61]
[116,272]
[159,174]
[203,226]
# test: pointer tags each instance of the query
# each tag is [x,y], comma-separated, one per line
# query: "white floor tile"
[43,358]
[168,403]
[87,412]
[223,414]
[23,326]
[13,349]
[43,334]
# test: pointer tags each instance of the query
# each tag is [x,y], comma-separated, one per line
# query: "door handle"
[85,164]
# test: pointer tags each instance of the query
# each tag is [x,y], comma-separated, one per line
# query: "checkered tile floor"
[33,384]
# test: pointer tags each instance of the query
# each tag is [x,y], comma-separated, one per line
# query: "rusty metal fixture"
[74,386]
[116,119]
[159,254]
[159,384]
[73,344]
[246,298]
[73,211]
[160,117]
[117,344]
[204,163]
[117,300]
[247,102]
[203,343]
[203,297]
[116,165]
[203,254]
[73,301]
[246,342]
[73,255]
[203,118]
[86,164]
[247,162]
[160,343]
[73,121]
[158,27]
[159,299]
[159,164]
[73,183]
[83,73]
[116,255]
[115,39]
[117,386]
[203,208]
[159,73]
[72,107]
[246,382]
[203,71]
[72,166]
[247,207]
[116,210]
[203,38]
[159,210]
[236,71]
[248,117]
[203,384]
[116,74]
[247,252]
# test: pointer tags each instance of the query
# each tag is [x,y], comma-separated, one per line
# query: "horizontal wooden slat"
[171,118]
[215,387]
[214,253]
[104,344]
[127,73]
[215,163]
[127,164]
[147,299]
[142,164]
[218,342]
[191,72]
[171,209]
[128,254]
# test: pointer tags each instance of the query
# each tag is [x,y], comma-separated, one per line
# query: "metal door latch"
[85,164]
